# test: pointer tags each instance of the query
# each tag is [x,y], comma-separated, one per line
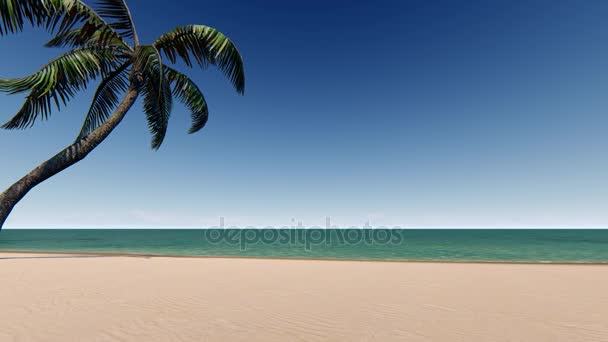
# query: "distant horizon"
[315,227]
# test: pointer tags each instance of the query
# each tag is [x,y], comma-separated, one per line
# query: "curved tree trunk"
[64,159]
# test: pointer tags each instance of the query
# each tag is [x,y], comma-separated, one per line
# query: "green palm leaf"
[106,99]
[56,82]
[156,92]
[54,15]
[73,38]
[118,12]
[185,90]
[208,46]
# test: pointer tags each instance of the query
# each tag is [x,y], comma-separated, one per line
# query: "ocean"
[485,245]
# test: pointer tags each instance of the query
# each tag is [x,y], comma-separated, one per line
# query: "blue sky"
[410,113]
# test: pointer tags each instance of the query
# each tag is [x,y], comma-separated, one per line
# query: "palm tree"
[104,45]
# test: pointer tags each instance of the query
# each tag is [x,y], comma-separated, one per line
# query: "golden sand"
[120,298]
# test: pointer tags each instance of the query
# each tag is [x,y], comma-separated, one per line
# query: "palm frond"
[54,15]
[208,46]
[118,12]
[186,91]
[56,82]
[156,92]
[74,38]
[106,99]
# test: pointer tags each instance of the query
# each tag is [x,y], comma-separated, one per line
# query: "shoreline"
[228,257]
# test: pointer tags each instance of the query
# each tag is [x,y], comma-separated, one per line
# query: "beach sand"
[121,298]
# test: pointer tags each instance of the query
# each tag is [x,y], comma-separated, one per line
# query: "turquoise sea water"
[503,245]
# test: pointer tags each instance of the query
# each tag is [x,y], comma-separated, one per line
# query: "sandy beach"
[120,298]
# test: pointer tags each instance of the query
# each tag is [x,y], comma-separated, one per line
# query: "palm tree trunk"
[64,159]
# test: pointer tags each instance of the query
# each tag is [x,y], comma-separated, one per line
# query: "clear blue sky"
[412,113]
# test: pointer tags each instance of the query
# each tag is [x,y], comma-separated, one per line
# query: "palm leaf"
[118,12]
[185,90]
[106,99]
[208,46]
[74,38]
[54,15]
[56,82]
[156,92]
